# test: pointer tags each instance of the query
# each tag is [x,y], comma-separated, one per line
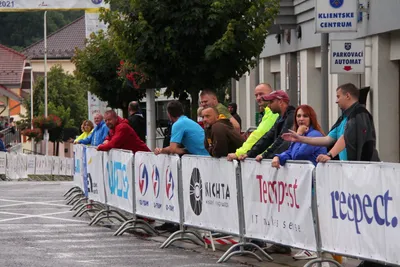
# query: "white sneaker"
[305,255]
[324,264]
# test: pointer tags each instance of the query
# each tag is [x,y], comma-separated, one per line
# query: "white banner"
[119,179]
[12,163]
[69,167]
[156,186]
[358,209]
[27,5]
[94,161]
[31,164]
[210,193]
[78,166]
[56,166]
[3,162]
[21,166]
[63,166]
[40,165]
[49,165]
[277,203]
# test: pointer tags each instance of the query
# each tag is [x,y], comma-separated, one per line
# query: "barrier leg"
[322,260]
[86,210]
[97,218]
[184,235]
[71,190]
[230,253]
[77,203]
[73,197]
[81,208]
[137,224]
[123,226]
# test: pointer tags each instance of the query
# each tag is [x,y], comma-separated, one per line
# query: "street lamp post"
[31,70]
[46,132]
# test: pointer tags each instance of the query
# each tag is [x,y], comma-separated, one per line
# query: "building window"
[277,80]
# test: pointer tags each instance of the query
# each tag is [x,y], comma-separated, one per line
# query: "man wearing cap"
[268,121]
[272,143]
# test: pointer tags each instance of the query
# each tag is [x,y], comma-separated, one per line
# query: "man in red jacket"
[121,135]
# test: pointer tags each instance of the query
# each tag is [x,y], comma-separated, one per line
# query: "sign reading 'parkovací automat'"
[24,5]
[347,56]
[335,16]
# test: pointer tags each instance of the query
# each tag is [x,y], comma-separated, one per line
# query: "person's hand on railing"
[322,158]
[259,158]
[157,150]
[231,157]
[243,157]
[275,162]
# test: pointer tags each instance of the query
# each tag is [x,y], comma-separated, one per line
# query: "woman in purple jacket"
[305,123]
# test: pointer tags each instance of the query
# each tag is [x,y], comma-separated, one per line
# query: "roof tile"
[61,43]
[11,66]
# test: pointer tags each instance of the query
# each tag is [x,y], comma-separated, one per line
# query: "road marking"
[40,216]
[49,203]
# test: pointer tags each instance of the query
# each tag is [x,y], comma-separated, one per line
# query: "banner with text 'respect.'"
[26,5]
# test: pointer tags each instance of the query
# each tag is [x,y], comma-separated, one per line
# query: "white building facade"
[291,61]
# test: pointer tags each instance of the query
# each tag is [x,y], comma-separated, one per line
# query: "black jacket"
[272,142]
[359,134]
[138,123]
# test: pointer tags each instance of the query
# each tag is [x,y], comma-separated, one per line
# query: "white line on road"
[33,203]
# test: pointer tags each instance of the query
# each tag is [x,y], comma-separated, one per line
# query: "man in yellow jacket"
[266,124]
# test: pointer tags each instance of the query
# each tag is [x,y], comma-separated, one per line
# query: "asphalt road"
[37,229]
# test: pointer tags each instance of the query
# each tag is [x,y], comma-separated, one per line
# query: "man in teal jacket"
[266,124]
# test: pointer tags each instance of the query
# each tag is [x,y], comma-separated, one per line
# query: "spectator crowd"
[284,133]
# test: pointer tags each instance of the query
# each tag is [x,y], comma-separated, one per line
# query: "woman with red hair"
[305,123]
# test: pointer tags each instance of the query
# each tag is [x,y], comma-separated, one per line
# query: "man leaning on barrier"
[352,136]
[221,138]
[121,135]
[272,143]
[268,120]
[187,137]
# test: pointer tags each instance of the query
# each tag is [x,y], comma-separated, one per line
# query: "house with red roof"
[13,80]
[61,46]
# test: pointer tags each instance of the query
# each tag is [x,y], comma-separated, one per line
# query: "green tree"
[98,65]
[67,99]
[21,29]
[191,45]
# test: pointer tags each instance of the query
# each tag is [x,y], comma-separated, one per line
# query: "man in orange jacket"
[121,135]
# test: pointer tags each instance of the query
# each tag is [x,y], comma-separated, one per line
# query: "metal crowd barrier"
[352,211]
[18,165]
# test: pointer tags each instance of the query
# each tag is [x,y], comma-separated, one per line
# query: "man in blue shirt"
[187,136]
[99,133]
